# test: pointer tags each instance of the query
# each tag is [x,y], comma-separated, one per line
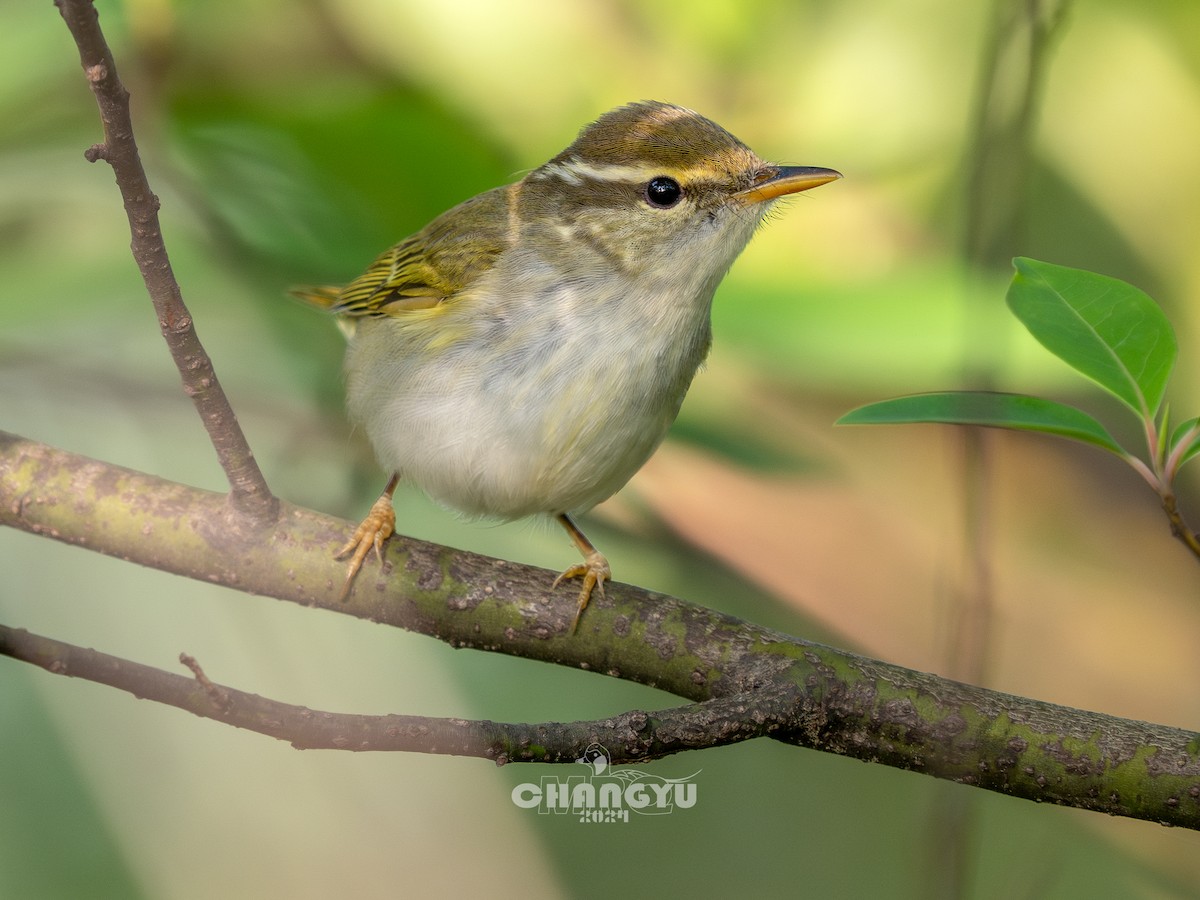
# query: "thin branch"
[1179,527]
[634,737]
[249,494]
[790,689]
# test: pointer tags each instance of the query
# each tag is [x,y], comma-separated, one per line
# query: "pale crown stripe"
[575,171]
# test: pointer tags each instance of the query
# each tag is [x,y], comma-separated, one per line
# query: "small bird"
[527,350]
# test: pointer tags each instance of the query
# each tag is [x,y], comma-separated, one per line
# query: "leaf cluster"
[1105,329]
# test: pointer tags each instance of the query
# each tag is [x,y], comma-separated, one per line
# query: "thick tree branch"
[249,495]
[795,691]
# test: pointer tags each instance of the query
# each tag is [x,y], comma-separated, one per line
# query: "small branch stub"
[219,696]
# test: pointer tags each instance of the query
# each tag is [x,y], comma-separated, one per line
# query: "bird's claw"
[376,528]
[594,571]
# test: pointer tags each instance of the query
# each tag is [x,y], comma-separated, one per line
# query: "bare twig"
[770,683]
[633,736]
[249,494]
[1179,527]
[218,695]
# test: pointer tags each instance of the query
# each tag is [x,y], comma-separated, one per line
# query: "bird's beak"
[781,180]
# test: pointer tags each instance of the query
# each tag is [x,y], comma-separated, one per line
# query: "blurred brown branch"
[1014,65]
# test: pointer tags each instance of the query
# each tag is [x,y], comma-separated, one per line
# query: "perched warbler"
[528,349]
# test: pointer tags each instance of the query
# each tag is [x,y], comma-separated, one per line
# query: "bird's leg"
[376,528]
[593,570]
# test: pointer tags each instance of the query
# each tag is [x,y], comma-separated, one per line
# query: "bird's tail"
[324,297]
[327,299]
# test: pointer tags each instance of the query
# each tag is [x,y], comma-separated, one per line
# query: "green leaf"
[1193,446]
[994,410]
[1164,425]
[1102,327]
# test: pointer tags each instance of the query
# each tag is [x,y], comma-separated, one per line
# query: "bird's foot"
[594,571]
[376,528]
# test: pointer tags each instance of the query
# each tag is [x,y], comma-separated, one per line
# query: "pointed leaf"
[1164,426]
[1191,426]
[1102,327]
[994,410]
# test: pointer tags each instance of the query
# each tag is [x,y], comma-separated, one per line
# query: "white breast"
[536,403]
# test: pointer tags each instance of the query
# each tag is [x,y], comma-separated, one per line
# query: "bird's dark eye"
[663,192]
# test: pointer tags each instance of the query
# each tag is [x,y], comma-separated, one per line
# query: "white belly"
[551,415]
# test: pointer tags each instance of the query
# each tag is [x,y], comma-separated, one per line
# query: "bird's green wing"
[429,268]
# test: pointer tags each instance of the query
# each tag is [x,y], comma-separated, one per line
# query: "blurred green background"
[291,142]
